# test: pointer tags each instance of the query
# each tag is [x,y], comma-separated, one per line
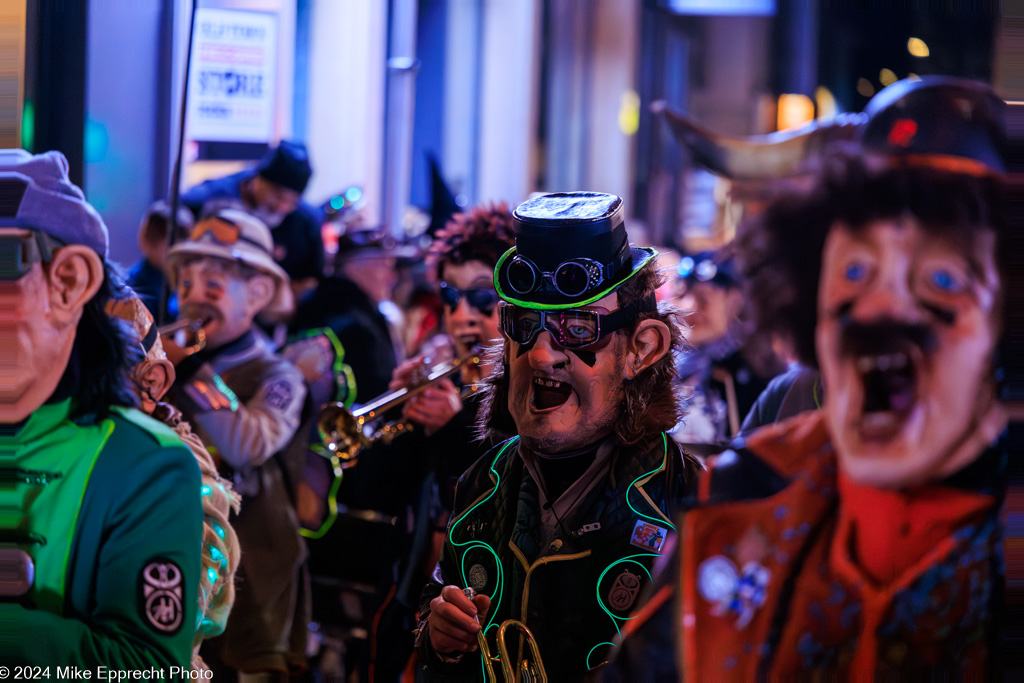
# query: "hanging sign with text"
[232,77]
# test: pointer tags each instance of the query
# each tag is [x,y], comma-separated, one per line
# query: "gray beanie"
[36,194]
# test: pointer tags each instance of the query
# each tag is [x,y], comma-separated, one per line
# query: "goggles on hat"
[222,231]
[482,299]
[704,270]
[18,253]
[571,278]
[572,328]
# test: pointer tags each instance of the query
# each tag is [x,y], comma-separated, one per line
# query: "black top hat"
[571,250]
[943,122]
[287,165]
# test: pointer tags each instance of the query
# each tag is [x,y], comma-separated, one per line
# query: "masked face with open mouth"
[209,290]
[564,398]
[905,339]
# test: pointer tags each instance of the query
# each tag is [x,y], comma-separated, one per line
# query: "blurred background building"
[508,96]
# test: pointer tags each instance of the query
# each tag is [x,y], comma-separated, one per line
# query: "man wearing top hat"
[245,403]
[272,191]
[100,512]
[864,540]
[559,525]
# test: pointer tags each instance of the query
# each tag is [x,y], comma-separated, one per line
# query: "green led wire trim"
[664,442]
[597,589]
[499,584]
[592,652]
[332,512]
[651,253]
[451,532]
[345,392]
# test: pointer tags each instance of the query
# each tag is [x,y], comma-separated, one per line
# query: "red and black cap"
[941,122]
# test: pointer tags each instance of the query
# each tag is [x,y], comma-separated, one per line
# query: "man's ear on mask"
[74,275]
[261,290]
[155,377]
[648,344]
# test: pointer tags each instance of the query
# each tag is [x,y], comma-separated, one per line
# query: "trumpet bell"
[342,433]
[345,432]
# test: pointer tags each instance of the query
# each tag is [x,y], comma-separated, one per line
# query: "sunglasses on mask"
[572,328]
[18,253]
[482,299]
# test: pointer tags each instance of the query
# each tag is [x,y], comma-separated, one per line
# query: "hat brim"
[548,300]
[284,299]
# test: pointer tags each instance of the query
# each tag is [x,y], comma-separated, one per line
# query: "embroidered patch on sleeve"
[216,396]
[279,394]
[648,536]
[160,596]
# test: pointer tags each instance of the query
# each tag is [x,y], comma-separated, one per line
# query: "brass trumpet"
[526,671]
[194,334]
[346,432]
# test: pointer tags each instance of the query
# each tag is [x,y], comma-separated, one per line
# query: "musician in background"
[403,480]
[244,402]
[728,366]
[559,526]
[272,191]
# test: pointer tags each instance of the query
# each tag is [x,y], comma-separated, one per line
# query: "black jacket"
[573,584]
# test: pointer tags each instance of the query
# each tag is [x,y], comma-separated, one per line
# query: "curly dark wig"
[780,250]
[650,402]
[481,234]
[103,356]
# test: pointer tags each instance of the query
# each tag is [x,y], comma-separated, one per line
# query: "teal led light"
[353,195]
[217,529]
[337,201]
[664,442]
[592,652]
[211,574]
[472,544]
[206,490]
[28,126]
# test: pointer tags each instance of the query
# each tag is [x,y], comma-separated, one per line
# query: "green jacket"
[110,512]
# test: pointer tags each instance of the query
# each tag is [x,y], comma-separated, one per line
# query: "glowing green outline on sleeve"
[332,512]
[594,648]
[472,544]
[664,441]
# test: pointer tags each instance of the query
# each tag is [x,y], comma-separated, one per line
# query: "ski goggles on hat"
[18,253]
[704,270]
[571,278]
[482,299]
[223,232]
[572,328]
